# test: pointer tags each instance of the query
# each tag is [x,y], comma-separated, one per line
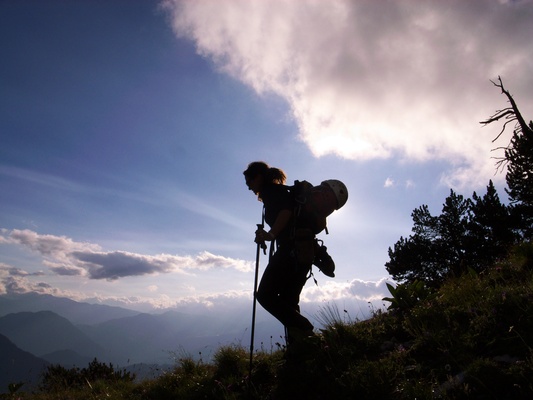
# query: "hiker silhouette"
[290,258]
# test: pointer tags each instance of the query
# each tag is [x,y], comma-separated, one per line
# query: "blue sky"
[126,125]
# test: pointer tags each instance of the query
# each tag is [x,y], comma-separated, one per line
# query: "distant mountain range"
[75,312]
[42,329]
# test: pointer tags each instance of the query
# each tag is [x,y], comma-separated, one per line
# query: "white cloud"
[46,245]
[390,183]
[206,260]
[356,289]
[16,280]
[367,79]
[66,257]
[152,288]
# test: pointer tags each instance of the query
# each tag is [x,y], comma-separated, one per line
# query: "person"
[286,273]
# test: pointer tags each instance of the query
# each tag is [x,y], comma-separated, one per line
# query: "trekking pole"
[258,252]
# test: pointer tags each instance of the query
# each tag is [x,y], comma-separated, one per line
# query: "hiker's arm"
[281,222]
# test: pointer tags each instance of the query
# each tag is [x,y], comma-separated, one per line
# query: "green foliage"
[57,378]
[14,387]
[406,296]
[231,361]
[188,380]
[491,229]
[519,155]
[470,233]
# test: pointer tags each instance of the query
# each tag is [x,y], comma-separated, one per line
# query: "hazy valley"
[38,330]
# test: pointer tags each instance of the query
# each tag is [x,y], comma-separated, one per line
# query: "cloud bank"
[357,297]
[375,79]
[87,261]
[63,256]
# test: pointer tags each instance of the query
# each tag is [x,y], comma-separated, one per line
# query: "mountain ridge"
[44,332]
[131,338]
[75,311]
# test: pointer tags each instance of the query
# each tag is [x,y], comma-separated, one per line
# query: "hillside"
[17,365]
[472,338]
[45,332]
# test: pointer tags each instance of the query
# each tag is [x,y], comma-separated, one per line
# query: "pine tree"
[437,246]
[469,233]
[491,229]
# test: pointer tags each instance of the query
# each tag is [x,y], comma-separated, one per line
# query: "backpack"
[313,204]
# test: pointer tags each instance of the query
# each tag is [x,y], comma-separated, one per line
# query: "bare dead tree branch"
[500,164]
[511,114]
[521,121]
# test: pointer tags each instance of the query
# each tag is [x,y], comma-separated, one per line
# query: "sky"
[125,127]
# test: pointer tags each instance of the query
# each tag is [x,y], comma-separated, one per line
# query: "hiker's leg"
[296,329]
[281,270]
[290,295]
[276,273]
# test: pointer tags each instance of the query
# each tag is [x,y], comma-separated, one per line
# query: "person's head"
[260,173]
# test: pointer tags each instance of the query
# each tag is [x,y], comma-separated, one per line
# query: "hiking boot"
[323,260]
[295,335]
[301,344]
